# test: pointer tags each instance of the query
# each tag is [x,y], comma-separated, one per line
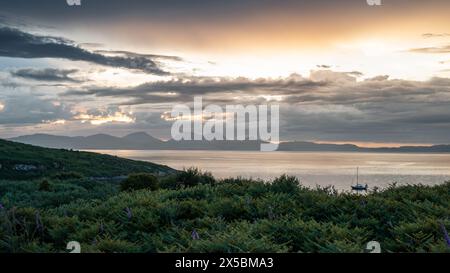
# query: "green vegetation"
[44,186]
[140,181]
[21,162]
[233,215]
[187,178]
[160,214]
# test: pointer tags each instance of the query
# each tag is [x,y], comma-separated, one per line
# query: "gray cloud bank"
[327,105]
[26,109]
[48,74]
[18,44]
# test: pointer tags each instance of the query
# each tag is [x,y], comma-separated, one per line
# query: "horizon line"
[359,144]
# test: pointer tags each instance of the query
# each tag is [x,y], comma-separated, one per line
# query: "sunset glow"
[343,72]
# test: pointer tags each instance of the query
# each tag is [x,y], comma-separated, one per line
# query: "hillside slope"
[22,161]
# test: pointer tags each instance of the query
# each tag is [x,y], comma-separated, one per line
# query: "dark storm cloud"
[48,74]
[18,44]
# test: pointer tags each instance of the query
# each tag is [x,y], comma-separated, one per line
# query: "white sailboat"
[358,186]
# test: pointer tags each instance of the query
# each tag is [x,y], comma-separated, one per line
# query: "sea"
[313,169]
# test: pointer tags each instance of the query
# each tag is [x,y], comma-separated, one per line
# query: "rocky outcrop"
[25,168]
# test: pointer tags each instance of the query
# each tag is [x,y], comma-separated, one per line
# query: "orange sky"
[280,28]
[283,39]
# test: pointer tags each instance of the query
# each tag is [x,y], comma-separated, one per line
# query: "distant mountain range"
[144,141]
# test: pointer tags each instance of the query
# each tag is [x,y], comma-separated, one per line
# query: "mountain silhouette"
[144,141]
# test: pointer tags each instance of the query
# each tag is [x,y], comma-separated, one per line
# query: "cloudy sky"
[341,71]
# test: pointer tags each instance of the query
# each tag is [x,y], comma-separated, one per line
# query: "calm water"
[312,168]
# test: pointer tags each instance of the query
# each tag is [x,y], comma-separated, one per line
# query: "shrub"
[139,181]
[193,177]
[67,175]
[190,209]
[44,186]
[109,245]
[169,182]
[237,238]
[286,184]
[231,208]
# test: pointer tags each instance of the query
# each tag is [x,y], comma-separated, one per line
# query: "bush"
[67,175]
[139,181]
[285,184]
[169,182]
[193,177]
[44,186]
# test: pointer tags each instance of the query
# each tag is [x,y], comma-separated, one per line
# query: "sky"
[341,71]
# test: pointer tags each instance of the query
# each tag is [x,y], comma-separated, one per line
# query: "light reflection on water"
[312,168]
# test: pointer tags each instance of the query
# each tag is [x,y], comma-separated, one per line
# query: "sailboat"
[358,186]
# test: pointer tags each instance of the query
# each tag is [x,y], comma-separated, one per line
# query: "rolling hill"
[22,161]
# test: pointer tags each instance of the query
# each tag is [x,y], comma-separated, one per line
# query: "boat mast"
[357,175]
